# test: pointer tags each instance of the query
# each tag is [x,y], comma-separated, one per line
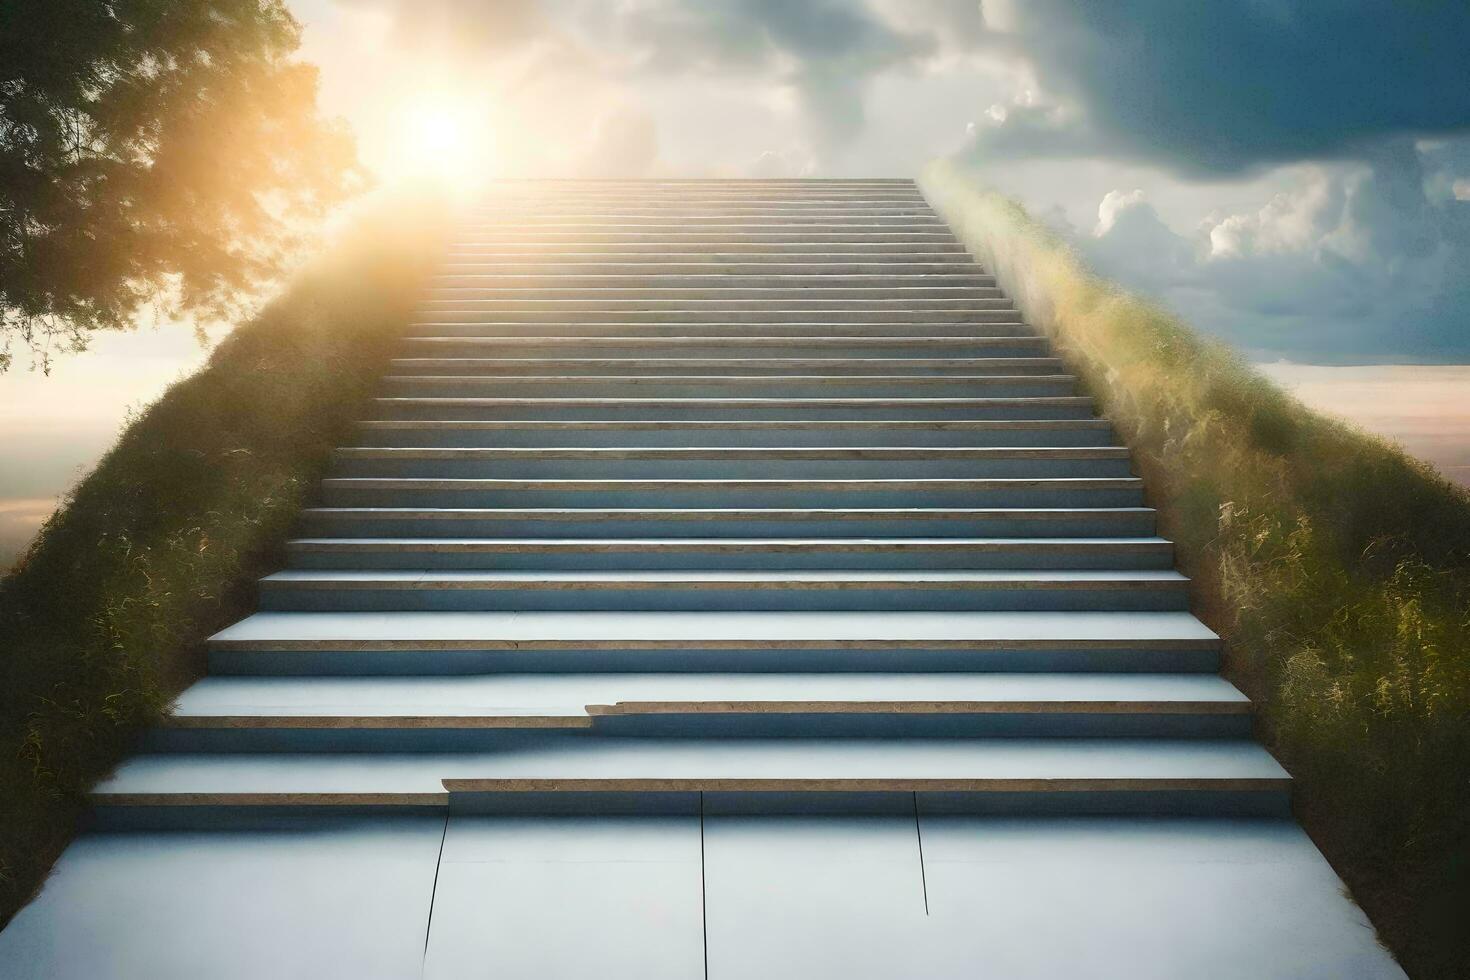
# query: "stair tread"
[898,578]
[570,695]
[631,762]
[735,452]
[722,544]
[548,630]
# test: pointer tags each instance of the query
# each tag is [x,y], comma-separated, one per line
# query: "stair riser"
[697,220]
[492,283]
[608,210]
[490,371]
[560,270]
[876,248]
[715,469]
[440,662]
[338,495]
[1205,803]
[678,203]
[716,598]
[591,386]
[882,331]
[824,315]
[719,348]
[740,438]
[742,527]
[603,307]
[918,411]
[587,560]
[917,295]
[267,740]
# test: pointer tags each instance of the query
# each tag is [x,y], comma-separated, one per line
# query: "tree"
[163,153]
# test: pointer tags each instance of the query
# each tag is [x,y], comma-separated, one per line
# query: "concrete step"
[726,238]
[1022,775]
[707,492]
[749,554]
[913,295]
[713,345]
[894,331]
[785,432]
[431,643]
[498,367]
[313,714]
[774,302]
[724,318]
[954,281]
[602,203]
[736,409]
[614,265]
[747,386]
[875,247]
[575,524]
[702,215]
[855,222]
[311,590]
[722,463]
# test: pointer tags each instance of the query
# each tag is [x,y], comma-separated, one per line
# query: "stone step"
[708,492]
[822,316]
[313,714]
[1023,775]
[574,524]
[431,643]
[748,386]
[712,345]
[853,222]
[785,432]
[490,368]
[727,463]
[724,294]
[964,282]
[705,213]
[725,238]
[601,203]
[736,409]
[898,247]
[893,331]
[613,265]
[772,301]
[749,554]
[312,590]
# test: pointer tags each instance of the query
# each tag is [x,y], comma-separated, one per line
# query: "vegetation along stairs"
[711,497]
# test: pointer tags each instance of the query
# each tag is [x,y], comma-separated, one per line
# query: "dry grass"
[102,619]
[1336,568]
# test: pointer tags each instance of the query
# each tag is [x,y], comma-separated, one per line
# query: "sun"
[442,139]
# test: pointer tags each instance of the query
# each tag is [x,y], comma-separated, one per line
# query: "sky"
[1289,175]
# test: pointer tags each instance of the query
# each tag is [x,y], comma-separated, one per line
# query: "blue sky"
[1291,175]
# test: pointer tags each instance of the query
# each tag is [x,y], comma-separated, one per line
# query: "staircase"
[706,496]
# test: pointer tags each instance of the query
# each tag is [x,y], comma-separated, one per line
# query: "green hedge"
[1336,568]
[101,621]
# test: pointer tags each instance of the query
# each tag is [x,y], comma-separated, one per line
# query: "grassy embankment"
[101,621]
[1336,568]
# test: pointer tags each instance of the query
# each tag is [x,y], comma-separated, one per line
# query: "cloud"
[1225,86]
[1361,262]
[821,54]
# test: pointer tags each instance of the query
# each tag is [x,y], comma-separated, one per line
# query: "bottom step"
[544,772]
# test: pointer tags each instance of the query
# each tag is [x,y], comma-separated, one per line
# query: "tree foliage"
[156,154]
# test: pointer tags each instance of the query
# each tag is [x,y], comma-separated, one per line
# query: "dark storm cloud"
[1221,86]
